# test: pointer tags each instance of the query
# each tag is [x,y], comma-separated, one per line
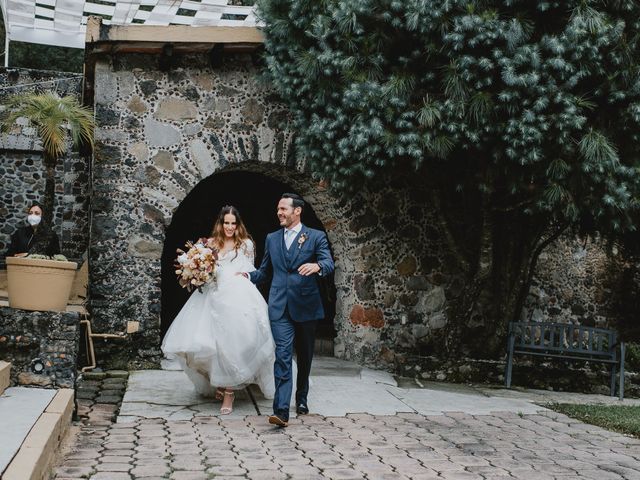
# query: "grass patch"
[618,418]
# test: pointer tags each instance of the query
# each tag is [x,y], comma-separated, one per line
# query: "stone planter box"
[36,284]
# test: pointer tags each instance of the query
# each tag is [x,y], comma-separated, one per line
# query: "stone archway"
[161,133]
[255,195]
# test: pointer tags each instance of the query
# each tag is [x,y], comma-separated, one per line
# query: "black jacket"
[42,241]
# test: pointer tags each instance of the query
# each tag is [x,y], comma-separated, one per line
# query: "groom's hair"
[295,198]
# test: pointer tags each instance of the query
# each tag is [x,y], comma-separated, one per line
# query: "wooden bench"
[568,342]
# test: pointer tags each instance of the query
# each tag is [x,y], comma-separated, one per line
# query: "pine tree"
[520,117]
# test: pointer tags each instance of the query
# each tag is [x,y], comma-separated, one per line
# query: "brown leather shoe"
[276,420]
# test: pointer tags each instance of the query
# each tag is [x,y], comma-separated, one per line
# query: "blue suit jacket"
[290,290]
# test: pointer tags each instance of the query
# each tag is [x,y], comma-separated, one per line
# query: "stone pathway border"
[5,376]
[36,455]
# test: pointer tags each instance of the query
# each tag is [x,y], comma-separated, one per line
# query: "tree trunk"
[496,271]
[49,188]
[489,299]
[476,278]
[494,246]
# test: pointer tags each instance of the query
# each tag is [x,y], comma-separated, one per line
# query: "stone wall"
[394,279]
[161,133]
[22,170]
[50,340]
[573,283]
[23,182]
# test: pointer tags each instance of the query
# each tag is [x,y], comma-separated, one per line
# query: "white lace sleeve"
[249,251]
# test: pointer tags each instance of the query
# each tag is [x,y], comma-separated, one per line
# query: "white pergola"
[63,22]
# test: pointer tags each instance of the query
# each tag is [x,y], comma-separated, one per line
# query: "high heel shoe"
[228,410]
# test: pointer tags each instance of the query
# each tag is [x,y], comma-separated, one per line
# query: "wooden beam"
[97,32]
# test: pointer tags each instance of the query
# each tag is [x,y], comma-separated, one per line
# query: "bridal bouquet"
[196,266]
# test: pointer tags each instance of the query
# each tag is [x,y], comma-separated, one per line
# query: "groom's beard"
[288,222]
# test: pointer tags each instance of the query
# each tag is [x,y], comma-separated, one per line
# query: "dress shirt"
[290,234]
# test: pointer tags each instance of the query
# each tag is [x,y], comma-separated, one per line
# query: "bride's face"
[229,225]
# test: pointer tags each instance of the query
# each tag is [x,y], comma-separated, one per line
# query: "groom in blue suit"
[294,256]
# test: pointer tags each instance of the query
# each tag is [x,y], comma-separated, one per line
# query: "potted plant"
[38,282]
[35,280]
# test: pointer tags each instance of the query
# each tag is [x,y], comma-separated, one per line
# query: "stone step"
[34,423]
[5,376]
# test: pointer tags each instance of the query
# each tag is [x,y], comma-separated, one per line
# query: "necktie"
[288,238]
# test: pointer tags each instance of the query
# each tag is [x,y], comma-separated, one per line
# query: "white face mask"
[34,220]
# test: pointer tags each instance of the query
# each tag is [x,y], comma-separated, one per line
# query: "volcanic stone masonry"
[41,346]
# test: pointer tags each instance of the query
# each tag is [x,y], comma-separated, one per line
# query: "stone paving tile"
[268,474]
[426,476]
[110,476]
[74,471]
[379,470]
[151,460]
[399,447]
[113,467]
[599,475]
[151,431]
[342,474]
[187,462]
[119,445]
[150,470]
[185,475]
[227,470]
[228,461]
[300,471]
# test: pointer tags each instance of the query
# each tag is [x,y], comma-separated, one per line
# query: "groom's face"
[287,215]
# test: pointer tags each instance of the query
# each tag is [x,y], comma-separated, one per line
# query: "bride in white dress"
[222,336]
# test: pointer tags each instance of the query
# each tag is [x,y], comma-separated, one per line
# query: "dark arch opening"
[256,196]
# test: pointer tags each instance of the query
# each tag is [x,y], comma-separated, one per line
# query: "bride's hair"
[240,236]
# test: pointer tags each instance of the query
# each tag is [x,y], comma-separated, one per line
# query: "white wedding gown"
[222,336]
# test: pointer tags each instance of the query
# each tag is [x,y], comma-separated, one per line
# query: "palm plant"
[57,120]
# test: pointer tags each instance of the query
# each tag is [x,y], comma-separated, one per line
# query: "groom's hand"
[308,269]
[244,274]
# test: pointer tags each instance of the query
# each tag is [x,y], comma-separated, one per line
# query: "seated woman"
[37,237]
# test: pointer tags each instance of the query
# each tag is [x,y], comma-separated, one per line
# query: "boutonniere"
[301,239]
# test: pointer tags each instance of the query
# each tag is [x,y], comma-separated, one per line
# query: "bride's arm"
[249,252]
